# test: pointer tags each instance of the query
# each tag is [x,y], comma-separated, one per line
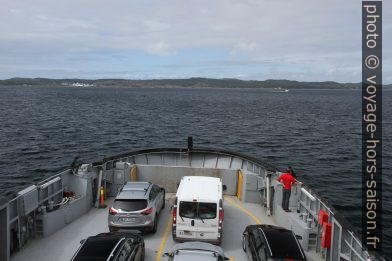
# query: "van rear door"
[208,221]
[186,220]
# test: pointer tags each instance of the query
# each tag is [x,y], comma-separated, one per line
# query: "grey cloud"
[323,37]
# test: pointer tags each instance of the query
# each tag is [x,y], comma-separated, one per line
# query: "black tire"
[143,253]
[155,227]
[244,243]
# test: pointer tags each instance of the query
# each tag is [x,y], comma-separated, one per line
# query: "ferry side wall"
[55,220]
[169,177]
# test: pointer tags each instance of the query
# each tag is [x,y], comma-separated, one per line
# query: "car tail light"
[112,211]
[174,213]
[147,211]
[220,215]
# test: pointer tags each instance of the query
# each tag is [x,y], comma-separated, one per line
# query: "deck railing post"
[268,187]
[99,188]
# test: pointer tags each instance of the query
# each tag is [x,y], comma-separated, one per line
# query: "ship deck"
[63,244]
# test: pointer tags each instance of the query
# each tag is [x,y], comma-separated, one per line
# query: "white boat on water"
[47,220]
[78,84]
[280,89]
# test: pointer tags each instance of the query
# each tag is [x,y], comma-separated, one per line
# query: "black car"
[266,242]
[113,246]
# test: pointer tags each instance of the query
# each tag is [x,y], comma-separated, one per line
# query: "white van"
[198,210]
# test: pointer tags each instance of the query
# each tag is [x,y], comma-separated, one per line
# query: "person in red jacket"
[287,180]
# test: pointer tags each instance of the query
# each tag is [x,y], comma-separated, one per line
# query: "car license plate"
[129,219]
[186,233]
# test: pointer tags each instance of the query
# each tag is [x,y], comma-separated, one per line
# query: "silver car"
[196,251]
[137,206]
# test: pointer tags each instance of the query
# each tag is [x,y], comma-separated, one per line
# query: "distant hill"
[191,82]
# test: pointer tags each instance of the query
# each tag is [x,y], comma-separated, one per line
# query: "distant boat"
[78,84]
[280,89]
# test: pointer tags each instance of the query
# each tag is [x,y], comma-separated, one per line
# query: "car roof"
[129,234]
[100,247]
[189,188]
[132,195]
[194,256]
[97,248]
[198,246]
[277,237]
[134,190]
[137,185]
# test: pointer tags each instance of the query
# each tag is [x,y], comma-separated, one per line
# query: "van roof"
[200,188]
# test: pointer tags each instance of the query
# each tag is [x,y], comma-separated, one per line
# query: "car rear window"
[188,209]
[281,237]
[207,210]
[130,204]
[197,210]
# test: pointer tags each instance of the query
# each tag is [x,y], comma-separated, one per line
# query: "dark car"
[266,242]
[113,246]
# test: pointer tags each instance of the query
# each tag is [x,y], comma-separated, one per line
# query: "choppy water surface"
[318,132]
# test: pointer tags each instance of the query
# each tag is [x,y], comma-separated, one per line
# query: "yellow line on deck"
[163,240]
[250,214]
[231,258]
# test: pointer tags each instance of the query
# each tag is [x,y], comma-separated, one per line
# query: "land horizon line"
[184,82]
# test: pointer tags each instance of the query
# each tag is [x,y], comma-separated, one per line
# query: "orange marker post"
[102,198]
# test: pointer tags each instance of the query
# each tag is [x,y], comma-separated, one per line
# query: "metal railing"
[344,243]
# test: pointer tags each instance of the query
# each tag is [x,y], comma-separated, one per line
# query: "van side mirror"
[226,258]
[224,187]
[298,237]
[82,241]
[166,254]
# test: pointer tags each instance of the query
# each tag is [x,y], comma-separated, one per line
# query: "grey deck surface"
[63,244]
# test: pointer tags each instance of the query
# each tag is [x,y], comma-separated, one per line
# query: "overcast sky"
[143,39]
